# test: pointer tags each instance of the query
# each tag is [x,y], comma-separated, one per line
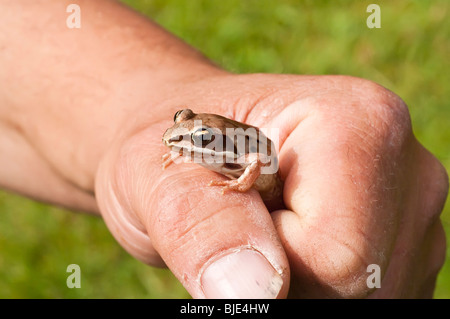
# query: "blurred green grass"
[409,55]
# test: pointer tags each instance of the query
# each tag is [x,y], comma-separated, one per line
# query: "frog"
[239,151]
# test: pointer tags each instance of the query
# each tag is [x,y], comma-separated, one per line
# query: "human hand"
[359,190]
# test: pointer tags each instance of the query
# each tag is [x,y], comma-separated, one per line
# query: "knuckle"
[435,255]
[438,248]
[442,185]
[347,275]
[341,262]
[387,113]
[436,186]
[367,109]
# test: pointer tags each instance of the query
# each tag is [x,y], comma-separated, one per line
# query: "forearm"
[66,94]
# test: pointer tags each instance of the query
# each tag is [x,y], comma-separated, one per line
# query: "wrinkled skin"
[359,188]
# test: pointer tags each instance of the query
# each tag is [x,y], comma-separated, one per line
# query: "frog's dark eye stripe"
[202,136]
[178,138]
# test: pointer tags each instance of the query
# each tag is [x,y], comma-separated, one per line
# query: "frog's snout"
[164,137]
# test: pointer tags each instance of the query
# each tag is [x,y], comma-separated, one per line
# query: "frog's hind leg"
[230,185]
[244,182]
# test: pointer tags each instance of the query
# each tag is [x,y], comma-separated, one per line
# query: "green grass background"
[410,55]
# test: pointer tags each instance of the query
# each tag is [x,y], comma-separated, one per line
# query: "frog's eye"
[176,115]
[202,136]
[183,115]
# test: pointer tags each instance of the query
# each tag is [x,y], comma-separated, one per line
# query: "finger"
[419,251]
[435,249]
[111,191]
[218,245]
[343,199]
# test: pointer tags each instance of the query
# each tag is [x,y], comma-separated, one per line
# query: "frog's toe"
[218,182]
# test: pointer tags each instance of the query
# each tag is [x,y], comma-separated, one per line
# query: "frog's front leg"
[247,179]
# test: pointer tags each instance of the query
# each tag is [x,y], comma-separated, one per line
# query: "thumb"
[218,245]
